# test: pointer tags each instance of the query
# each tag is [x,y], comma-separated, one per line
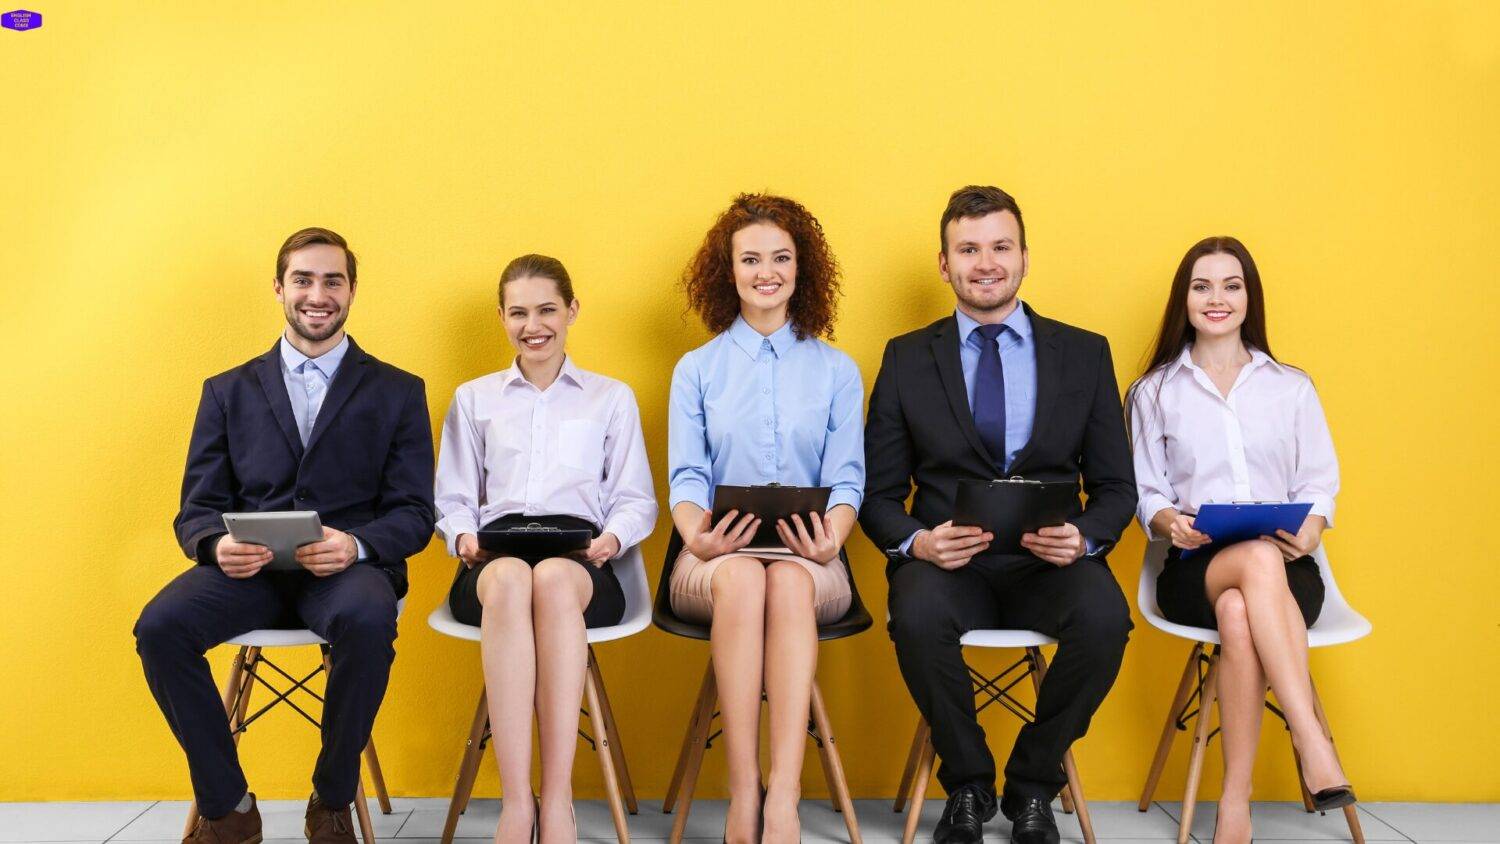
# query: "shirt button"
[766,390]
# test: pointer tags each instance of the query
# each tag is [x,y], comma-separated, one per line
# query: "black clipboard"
[534,542]
[1010,507]
[770,502]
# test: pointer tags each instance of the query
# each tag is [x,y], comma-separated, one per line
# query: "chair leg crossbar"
[700,735]
[244,673]
[1196,692]
[988,691]
[604,740]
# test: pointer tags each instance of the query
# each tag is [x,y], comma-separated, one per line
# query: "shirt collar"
[326,363]
[1018,321]
[1185,361]
[750,340]
[569,373]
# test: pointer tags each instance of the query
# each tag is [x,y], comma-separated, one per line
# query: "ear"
[943,266]
[573,312]
[276,286]
[1025,262]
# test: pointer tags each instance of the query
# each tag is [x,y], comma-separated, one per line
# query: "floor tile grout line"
[1401,832]
[148,808]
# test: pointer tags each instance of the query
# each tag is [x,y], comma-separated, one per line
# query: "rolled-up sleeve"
[1149,448]
[1315,479]
[689,476]
[460,474]
[628,497]
[843,466]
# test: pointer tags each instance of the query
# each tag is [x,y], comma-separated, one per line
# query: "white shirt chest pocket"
[580,446]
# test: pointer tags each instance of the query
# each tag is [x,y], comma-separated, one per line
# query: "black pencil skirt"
[1183,596]
[606,607]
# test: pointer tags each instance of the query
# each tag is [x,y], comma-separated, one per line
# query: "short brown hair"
[979,201]
[709,279]
[312,237]
[537,266]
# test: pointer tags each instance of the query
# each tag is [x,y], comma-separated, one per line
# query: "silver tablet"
[283,532]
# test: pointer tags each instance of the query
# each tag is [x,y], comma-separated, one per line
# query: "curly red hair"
[709,279]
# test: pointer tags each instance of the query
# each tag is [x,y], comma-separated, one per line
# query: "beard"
[1001,301]
[318,335]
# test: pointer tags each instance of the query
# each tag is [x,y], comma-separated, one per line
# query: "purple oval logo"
[21,20]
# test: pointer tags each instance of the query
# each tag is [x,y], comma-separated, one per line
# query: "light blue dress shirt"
[748,410]
[307,381]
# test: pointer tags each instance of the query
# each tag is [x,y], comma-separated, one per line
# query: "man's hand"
[949,547]
[334,553]
[726,537]
[821,545]
[602,549]
[240,560]
[469,551]
[1061,545]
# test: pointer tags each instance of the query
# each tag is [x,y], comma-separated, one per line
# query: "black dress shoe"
[1031,820]
[964,816]
[1334,798]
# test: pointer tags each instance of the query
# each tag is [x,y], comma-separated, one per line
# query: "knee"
[1234,623]
[554,583]
[365,622]
[504,582]
[159,629]
[1103,620]
[788,583]
[739,581]
[916,622]
[1264,565]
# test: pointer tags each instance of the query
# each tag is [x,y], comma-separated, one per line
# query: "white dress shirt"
[574,449]
[1266,441]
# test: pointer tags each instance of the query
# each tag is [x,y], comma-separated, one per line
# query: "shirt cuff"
[692,490]
[844,496]
[1322,505]
[1094,548]
[905,547]
[454,525]
[361,552]
[1149,507]
[624,531]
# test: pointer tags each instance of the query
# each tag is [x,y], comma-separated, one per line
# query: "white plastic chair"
[918,773]
[244,674]
[1337,624]
[631,570]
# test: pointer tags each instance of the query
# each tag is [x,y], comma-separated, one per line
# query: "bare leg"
[737,640]
[1242,692]
[560,590]
[791,662]
[1258,571]
[508,652]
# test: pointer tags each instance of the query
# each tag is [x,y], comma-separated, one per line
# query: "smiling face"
[315,291]
[1216,298]
[536,318]
[765,267]
[984,262]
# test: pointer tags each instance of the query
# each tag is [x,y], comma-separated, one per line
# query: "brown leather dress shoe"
[233,828]
[328,824]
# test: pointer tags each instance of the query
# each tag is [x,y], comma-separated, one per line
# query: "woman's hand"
[726,537]
[470,552]
[1303,541]
[1183,534]
[602,549]
[821,545]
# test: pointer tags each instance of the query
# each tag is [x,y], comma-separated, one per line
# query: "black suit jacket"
[367,468]
[920,429]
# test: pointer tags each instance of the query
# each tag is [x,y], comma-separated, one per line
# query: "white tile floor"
[421,820]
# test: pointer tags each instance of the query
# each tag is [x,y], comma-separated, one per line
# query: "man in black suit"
[313,424]
[997,390]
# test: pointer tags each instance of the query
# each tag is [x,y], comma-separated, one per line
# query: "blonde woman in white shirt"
[547,442]
[1216,417]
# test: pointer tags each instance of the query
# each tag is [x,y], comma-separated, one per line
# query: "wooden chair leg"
[913,758]
[468,768]
[1200,743]
[918,794]
[699,707]
[837,784]
[1351,814]
[613,732]
[234,689]
[1169,730]
[698,742]
[362,811]
[377,777]
[833,797]
[606,757]
[1080,805]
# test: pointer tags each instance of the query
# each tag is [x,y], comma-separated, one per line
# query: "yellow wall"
[155,156]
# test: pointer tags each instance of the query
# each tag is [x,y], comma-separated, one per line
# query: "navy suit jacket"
[367,468]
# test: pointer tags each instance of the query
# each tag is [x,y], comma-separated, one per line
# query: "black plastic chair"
[700,734]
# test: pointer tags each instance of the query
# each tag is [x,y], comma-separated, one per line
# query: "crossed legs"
[535,653]
[1264,639]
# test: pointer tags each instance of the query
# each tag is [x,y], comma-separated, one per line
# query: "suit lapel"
[1048,373]
[344,381]
[268,372]
[951,373]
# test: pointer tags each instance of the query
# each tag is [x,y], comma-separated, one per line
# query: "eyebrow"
[1230,278]
[1006,239]
[773,252]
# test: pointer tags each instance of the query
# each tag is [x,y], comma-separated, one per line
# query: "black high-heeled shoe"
[1336,797]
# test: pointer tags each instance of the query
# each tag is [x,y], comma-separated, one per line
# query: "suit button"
[302,494]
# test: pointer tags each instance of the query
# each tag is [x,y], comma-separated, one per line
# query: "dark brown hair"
[312,237]
[709,279]
[537,266]
[978,201]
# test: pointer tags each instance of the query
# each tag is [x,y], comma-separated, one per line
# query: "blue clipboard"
[1227,524]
